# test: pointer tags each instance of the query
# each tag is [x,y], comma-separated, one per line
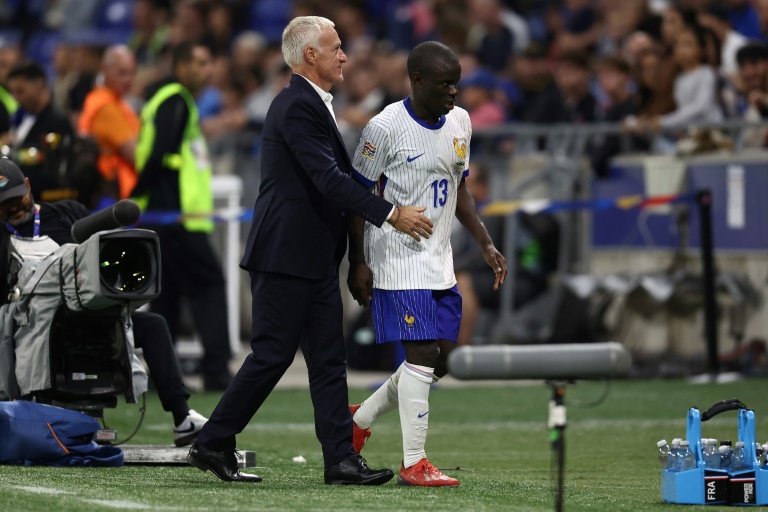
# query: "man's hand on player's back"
[409,220]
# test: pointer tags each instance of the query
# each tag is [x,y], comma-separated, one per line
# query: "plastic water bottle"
[710,454]
[764,458]
[686,458]
[739,457]
[725,455]
[674,455]
[663,453]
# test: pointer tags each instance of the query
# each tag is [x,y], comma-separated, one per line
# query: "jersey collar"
[429,126]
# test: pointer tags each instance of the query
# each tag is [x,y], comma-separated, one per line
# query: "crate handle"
[732,404]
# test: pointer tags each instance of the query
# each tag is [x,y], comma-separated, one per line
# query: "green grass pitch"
[497,435]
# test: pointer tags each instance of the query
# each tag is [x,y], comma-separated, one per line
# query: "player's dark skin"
[433,94]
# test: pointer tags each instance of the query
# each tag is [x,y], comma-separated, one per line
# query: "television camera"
[65,336]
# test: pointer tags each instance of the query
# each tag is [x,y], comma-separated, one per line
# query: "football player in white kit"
[416,151]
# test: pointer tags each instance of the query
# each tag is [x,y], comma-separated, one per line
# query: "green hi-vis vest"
[8,101]
[192,161]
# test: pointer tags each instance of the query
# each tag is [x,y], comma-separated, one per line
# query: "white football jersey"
[413,163]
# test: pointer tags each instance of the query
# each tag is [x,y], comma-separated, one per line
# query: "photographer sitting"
[23,218]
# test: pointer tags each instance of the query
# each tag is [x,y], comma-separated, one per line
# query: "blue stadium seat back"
[115,14]
[98,36]
[41,47]
[9,36]
[269,18]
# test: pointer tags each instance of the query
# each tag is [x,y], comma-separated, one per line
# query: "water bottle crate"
[706,486]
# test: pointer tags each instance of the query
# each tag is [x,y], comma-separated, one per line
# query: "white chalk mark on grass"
[42,490]
[120,504]
[124,504]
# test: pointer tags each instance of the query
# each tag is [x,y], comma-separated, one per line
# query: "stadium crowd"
[532,61]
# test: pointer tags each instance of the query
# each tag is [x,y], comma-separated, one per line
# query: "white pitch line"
[42,490]
[123,504]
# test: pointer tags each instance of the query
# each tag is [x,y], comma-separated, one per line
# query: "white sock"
[379,403]
[413,391]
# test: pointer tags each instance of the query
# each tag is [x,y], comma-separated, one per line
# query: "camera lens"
[126,266]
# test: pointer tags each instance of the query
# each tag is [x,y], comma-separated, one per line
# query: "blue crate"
[701,486]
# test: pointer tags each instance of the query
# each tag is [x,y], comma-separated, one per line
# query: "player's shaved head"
[431,57]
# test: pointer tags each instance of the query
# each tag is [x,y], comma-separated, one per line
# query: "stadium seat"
[9,36]
[41,47]
[269,17]
[115,15]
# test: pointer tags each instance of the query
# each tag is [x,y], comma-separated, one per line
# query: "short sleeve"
[371,155]
[469,145]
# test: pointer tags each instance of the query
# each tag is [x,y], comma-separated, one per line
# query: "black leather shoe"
[221,464]
[354,471]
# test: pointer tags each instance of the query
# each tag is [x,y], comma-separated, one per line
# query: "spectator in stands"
[696,87]
[634,46]
[570,100]
[660,98]
[580,27]
[532,75]
[87,67]
[752,99]
[262,90]
[150,30]
[63,67]
[189,23]
[42,134]
[210,101]
[620,20]
[109,119]
[365,99]
[352,23]
[221,26]
[393,74]
[9,57]
[248,51]
[489,38]
[477,95]
[743,18]
[715,18]
[761,7]
[614,77]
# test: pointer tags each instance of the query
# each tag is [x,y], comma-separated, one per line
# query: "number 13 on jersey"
[440,190]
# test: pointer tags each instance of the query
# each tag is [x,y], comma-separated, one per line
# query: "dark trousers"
[151,335]
[190,269]
[289,312]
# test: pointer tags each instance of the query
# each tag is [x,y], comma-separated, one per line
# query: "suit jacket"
[299,223]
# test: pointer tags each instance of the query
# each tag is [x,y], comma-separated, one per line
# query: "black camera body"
[70,324]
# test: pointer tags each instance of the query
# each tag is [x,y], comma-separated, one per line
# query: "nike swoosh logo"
[423,414]
[190,430]
[409,159]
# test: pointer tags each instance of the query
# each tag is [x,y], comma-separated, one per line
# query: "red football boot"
[359,435]
[424,474]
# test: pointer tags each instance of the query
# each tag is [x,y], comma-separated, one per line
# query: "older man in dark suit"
[297,239]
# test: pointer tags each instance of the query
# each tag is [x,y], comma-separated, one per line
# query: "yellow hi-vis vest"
[192,161]
[8,101]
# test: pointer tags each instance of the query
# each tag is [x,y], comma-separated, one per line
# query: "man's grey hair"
[302,32]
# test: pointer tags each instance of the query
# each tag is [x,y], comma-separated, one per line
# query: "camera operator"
[23,218]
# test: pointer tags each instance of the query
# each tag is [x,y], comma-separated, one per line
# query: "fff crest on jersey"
[409,319]
[460,147]
[369,150]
